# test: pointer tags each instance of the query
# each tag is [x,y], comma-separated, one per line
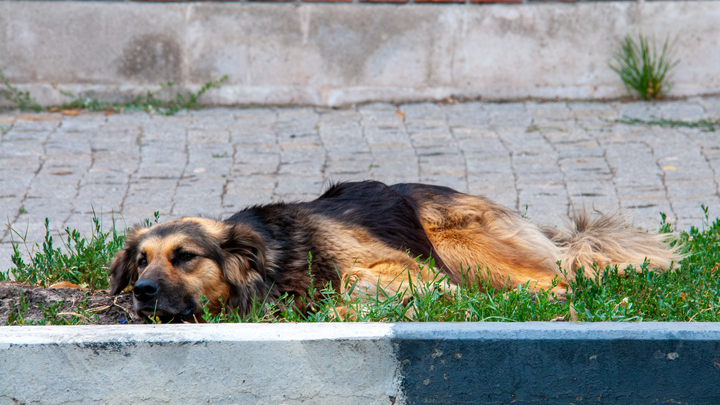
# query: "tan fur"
[478,238]
[610,240]
[206,279]
[362,259]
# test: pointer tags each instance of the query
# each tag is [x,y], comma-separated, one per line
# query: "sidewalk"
[540,158]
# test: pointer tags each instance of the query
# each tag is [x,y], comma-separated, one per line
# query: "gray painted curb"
[374,363]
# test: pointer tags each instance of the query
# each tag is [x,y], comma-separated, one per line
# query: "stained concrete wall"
[363,363]
[194,364]
[336,54]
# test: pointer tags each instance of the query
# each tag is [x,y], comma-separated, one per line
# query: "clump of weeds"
[643,70]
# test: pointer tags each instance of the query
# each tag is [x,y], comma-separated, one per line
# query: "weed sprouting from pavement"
[5,130]
[705,125]
[22,99]
[149,102]
[642,69]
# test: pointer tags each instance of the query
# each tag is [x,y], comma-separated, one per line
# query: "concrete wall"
[412,363]
[336,54]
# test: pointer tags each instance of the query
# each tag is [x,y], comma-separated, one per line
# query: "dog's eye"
[142,262]
[186,257]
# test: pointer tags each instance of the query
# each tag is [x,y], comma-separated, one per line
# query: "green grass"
[704,124]
[84,261]
[689,293]
[5,130]
[22,99]
[150,102]
[642,69]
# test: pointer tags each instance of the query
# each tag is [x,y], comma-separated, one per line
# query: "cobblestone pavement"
[545,159]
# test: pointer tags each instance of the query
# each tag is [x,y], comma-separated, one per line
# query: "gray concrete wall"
[192,364]
[337,54]
[364,363]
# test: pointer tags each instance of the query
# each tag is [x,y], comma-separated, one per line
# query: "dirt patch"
[22,304]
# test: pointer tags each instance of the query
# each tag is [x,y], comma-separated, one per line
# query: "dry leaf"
[76,314]
[451,101]
[673,168]
[64,284]
[43,117]
[400,114]
[73,111]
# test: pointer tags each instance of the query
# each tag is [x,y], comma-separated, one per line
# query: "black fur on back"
[385,214]
[288,235]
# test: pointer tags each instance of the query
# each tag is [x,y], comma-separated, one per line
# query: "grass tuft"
[5,130]
[84,261]
[23,99]
[642,69]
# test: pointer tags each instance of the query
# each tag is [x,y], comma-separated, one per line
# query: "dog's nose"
[145,289]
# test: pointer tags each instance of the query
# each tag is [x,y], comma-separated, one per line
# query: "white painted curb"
[258,364]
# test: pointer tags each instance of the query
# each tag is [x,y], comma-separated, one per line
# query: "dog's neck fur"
[286,266]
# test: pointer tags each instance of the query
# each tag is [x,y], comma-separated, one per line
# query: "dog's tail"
[610,239]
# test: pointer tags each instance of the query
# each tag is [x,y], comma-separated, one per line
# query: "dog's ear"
[124,267]
[244,256]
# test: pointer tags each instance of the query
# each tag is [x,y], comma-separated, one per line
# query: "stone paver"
[546,160]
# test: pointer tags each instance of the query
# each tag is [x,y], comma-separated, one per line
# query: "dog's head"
[172,265]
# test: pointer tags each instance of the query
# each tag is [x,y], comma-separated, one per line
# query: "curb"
[372,363]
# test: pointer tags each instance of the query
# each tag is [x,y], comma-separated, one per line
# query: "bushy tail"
[609,239]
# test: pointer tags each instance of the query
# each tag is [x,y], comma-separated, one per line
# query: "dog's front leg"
[389,280]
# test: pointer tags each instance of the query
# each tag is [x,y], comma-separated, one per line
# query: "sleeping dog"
[368,235]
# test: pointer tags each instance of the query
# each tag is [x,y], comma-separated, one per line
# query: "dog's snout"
[145,290]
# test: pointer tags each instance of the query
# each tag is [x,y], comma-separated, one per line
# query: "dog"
[367,235]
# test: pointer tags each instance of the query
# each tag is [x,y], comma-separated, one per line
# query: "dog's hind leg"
[477,238]
[478,255]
